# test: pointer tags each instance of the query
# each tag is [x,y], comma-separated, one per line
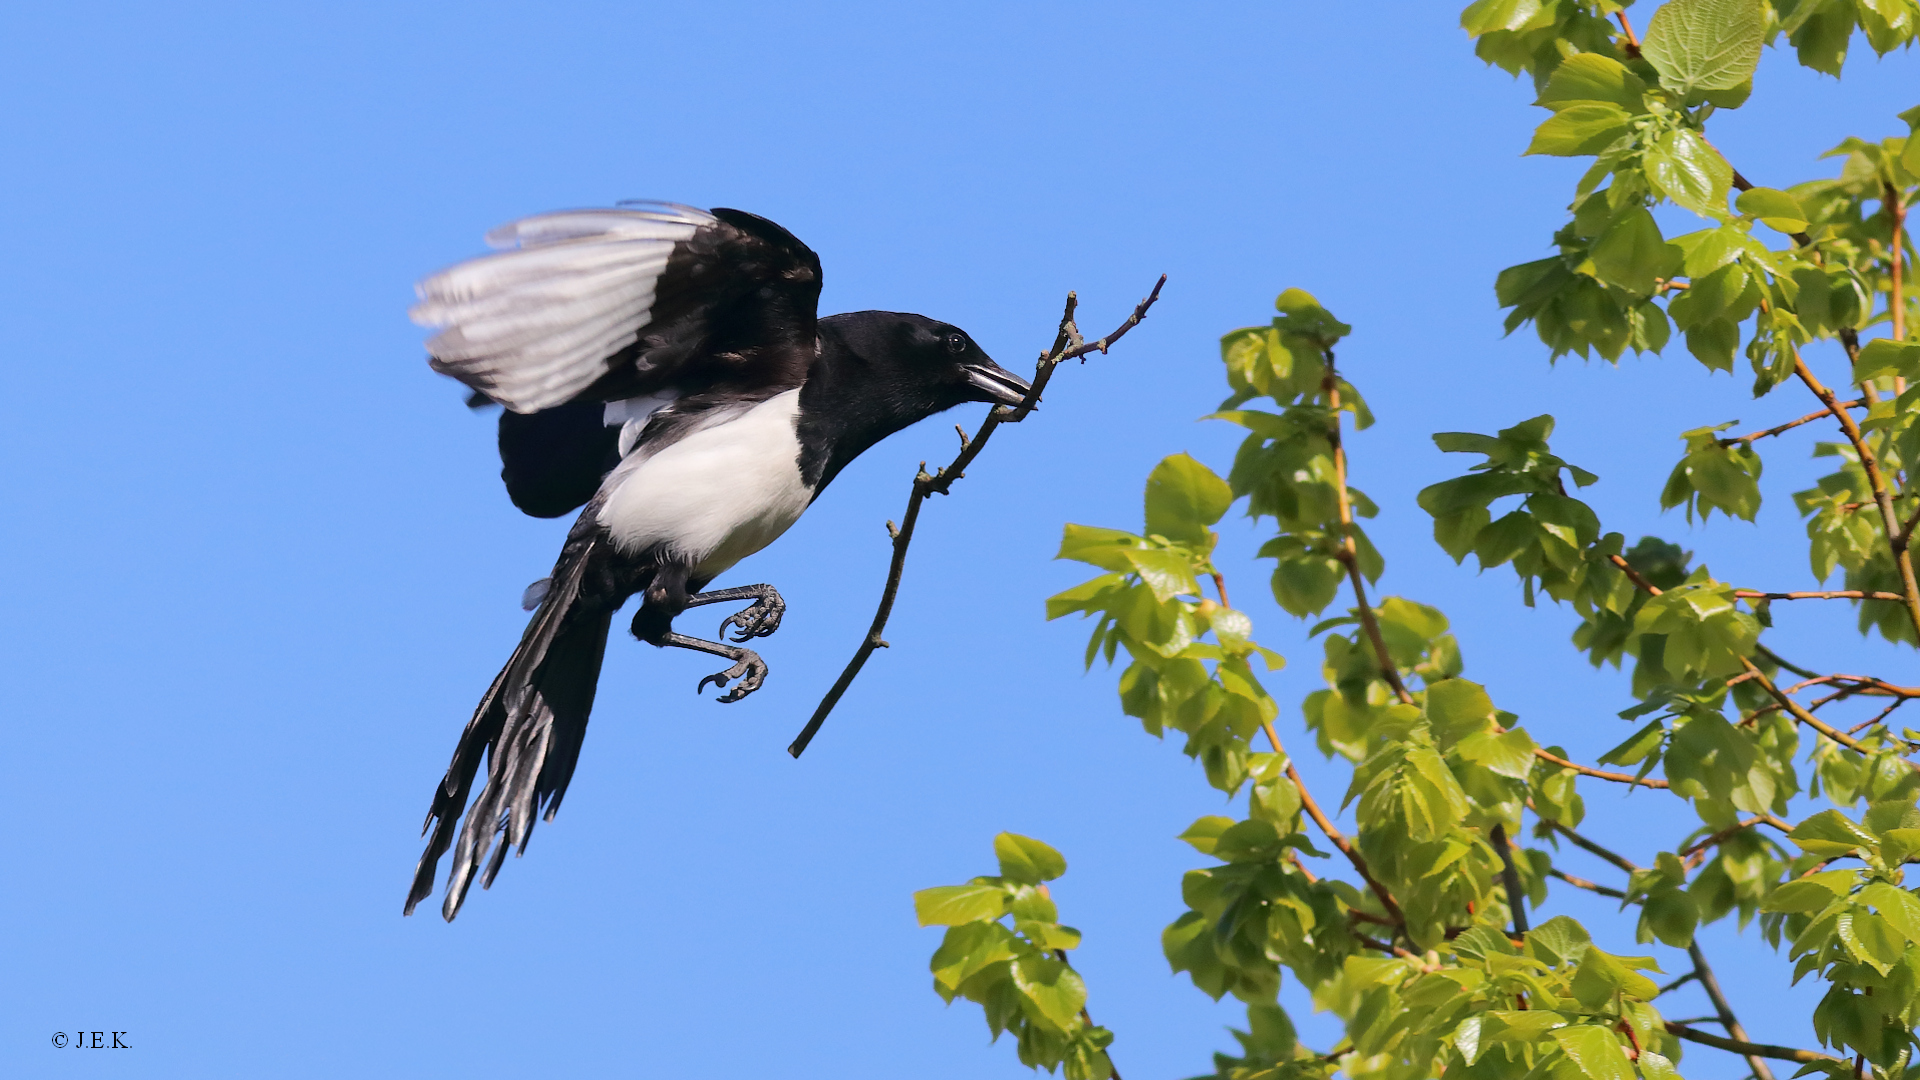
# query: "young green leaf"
[1705,44]
[1026,860]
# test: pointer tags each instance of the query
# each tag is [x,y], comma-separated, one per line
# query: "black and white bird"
[665,368]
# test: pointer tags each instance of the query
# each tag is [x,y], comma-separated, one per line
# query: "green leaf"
[1508,754]
[1632,254]
[1671,915]
[1830,833]
[1897,906]
[1595,1050]
[1166,571]
[1184,497]
[1104,548]
[1457,707]
[1776,209]
[1705,44]
[1054,989]
[1487,16]
[1026,860]
[1684,168]
[1586,128]
[1882,356]
[1796,896]
[1591,77]
[1601,975]
[1204,833]
[966,949]
[951,905]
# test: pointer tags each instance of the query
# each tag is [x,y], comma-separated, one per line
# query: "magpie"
[664,371]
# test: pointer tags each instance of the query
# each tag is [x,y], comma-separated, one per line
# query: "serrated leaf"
[1684,168]
[1054,989]
[1705,44]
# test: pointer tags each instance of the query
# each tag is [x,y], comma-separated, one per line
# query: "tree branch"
[1875,480]
[1333,834]
[1721,1006]
[1778,1053]
[1590,886]
[1598,774]
[1589,846]
[1838,594]
[1067,345]
[1349,554]
[1856,403]
[1510,878]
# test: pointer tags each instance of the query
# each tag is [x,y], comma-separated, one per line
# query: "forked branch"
[1067,345]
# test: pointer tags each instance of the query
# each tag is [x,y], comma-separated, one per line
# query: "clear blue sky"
[258,566]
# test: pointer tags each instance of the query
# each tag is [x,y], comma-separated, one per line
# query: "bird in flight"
[664,370]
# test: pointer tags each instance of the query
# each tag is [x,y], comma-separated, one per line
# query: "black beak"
[991,382]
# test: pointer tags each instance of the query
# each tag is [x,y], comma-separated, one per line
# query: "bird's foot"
[751,671]
[758,619]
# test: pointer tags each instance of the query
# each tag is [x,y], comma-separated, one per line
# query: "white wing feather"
[535,324]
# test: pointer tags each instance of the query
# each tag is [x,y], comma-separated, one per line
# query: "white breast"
[717,495]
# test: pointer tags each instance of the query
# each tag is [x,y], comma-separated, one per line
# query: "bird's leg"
[666,596]
[759,619]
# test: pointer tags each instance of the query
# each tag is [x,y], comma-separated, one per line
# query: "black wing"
[590,306]
[608,304]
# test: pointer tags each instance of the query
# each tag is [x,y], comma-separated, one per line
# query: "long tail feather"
[530,723]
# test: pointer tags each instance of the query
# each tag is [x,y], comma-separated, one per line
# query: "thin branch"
[1779,661]
[1510,878]
[1695,853]
[1633,43]
[1876,481]
[1598,774]
[1856,403]
[1837,594]
[1799,711]
[1878,717]
[1349,553]
[1720,1005]
[1590,886]
[1067,345]
[1589,846]
[1677,983]
[1751,1050]
[1333,834]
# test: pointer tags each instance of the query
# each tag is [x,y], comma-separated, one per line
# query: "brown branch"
[1695,853]
[1856,403]
[1067,345]
[1875,480]
[1333,834]
[1878,717]
[1349,554]
[1779,661]
[1598,774]
[1799,711]
[1590,886]
[1750,1049]
[1725,1010]
[1837,594]
[1633,43]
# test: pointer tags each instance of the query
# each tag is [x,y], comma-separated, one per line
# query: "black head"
[881,371]
[924,365]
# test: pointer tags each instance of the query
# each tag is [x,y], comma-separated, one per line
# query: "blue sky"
[259,568]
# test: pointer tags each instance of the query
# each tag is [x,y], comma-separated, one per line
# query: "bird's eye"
[956,343]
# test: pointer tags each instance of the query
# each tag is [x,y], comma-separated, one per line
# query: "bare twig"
[1598,774]
[1067,345]
[1882,495]
[1798,711]
[1590,886]
[1878,717]
[1589,846]
[1678,983]
[1695,853]
[1856,403]
[1725,1010]
[1751,1050]
[1837,594]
